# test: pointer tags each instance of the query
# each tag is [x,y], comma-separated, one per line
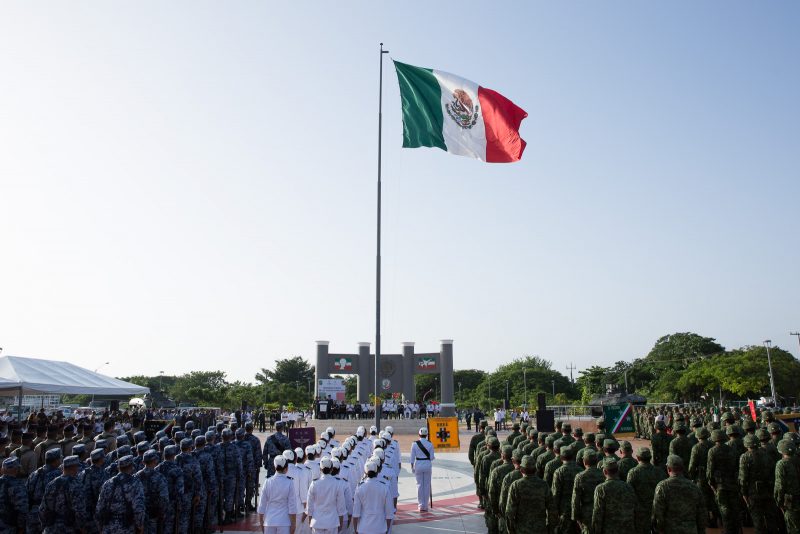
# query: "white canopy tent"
[31,376]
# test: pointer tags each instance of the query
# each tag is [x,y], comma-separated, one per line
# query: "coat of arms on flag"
[426,363]
[343,364]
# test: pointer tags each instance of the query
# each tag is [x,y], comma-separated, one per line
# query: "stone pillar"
[366,377]
[446,378]
[321,370]
[408,371]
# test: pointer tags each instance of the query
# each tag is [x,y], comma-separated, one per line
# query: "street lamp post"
[554,386]
[98,368]
[767,343]
[459,393]
[507,402]
[525,385]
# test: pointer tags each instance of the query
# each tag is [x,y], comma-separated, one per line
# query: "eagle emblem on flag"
[343,364]
[462,110]
[426,363]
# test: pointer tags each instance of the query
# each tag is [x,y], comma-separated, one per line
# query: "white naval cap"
[390,429]
[336,464]
[289,455]
[370,467]
[325,463]
[378,452]
[299,452]
[280,462]
[423,431]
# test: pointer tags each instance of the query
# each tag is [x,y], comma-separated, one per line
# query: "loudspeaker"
[541,398]
[545,420]
[114,406]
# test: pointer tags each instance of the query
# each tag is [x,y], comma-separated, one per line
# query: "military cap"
[124,450]
[661,424]
[748,425]
[515,426]
[279,425]
[11,462]
[679,427]
[599,437]
[626,446]
[78,449]
[325,463]
[532,432]
[644,453]
[142,446]
[196,432]
[125,461]
[762,434]
[52,454]
[527,462]
[507,450]
[189,425]
[178,436]
[610,444]
[549,440]
[170,451]
[590,457]
[733,430]
[369,467]
[122,440]
[578,431]
[589,436]
[491,432]
[785,446]
[727,416]
[493,442]
[101,443]
[96,454]
[610,462]
[186,443]
[557,444]
[697,422]
[199,441]
[139,436]
[702,433]
[567,451]
[750,441]
[150,456]
[71,461]
[567,427]
[227,432]
[774,428]
[210,435]
[673,461]
[517,455]
[718,435]
[483,424]
[289,454]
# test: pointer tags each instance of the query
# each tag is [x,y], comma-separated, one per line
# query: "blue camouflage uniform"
[206,517]
[92,479]
[274,446]
[63,509]
[156,498]
[258,459]
[246,452]
[13,503]
[120,508]
[173,474]
[193,488]
[37,483]
[219,474]
[232,467]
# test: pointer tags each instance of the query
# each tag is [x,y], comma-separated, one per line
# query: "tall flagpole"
[378,256]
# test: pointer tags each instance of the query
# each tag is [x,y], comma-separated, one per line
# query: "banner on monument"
[331,388]
[443,433]
[619,418]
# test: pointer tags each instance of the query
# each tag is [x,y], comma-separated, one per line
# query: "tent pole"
[19,413]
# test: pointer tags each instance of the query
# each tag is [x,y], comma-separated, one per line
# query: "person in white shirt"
[422,456]
[278,504]
[372,505]
[296,473]
[347,493]
[311,463]
[326,506]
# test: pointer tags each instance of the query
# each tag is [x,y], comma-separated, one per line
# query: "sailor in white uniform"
[278,504]
[373,511]
[422,457]
[326,506]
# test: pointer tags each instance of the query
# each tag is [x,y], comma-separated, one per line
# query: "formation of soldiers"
[699,471]
[186,480]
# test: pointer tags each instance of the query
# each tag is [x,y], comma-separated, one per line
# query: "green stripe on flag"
[421,100]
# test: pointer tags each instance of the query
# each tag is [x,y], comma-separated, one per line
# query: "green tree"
[288,371]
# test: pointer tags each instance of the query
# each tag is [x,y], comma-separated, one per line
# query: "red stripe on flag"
[502,118]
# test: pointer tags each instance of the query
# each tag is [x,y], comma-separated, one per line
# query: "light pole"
[554,387]
[459,393]
[490,393]
[767,343]
[525,385]
[507,402]
[98,368]
[790,333]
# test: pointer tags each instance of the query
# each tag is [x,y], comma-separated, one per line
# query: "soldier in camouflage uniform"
[484,469]
[680,444]
[475,441]
[530,507]
[722,472]
[588,443]
[614,507]
[555,463]
[515,433]
[643,479]
[756,484]
[697,473]
[678,505]
[546,455]
[627,461]
[206,509]
[173,476]
[92,479]
[156,493]
[660,445]
[36,485]
[510,478]
[13,498]
[120,508]
[496,477]
[258,459]
[541,441]
[63,509]
[246,453]
[787,485]
[562,487]
[583,490]
[232,462]
[193,488]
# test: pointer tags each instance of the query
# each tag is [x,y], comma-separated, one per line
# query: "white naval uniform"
[347,495]
[326,505]
[276,503]
[422,468]
[372,506]
[297,476]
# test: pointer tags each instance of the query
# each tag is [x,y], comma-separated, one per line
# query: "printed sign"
[443,433]
[619,418]
[152,426]
[426,363]
[300,437]
[343,364]
[331,388]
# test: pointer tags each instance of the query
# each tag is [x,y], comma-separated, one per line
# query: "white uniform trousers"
[276,530]
[423,476]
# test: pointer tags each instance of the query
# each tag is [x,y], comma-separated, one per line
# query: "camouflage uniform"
[483,473]
[206,461]
[530,506]
[698,461]
[614,508]
[36,485]
[509,479]
[474,442]
[787,486]
[561,488]
[246,453]
[92,479]
[644,479]
[193,489]
[13,504]
[120,508]
[173,475]
[63,509]
[681,446]
[678,505]
[660,445]
[156,497]
[258,460]
[232,466]
[583,493]
[495,486]
[721,471]
[756,485]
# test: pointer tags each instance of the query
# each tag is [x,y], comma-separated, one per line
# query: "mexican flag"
[446,111]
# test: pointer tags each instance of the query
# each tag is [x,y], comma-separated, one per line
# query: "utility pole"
[571,367]
[767,343]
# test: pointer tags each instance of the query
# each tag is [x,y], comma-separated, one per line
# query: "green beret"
[750,441]
[626,446]
[702,433]
[517,455]
[644,453]
[785,446]
[673,460]
[610,444]
[718,435]
[528,462]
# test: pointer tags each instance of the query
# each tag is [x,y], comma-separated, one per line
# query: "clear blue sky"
[191,185]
